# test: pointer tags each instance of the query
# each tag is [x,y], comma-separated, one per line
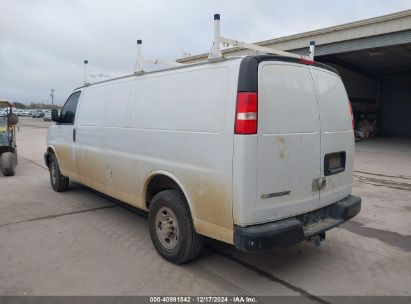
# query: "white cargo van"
[254,151]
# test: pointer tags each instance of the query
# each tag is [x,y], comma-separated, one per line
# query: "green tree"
[39,105]
[20,105]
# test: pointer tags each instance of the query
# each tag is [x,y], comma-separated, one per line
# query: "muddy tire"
[8,163]
[59,183]
[171,227]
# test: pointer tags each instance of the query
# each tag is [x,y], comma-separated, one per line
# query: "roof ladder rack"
[216,54]
[138,69]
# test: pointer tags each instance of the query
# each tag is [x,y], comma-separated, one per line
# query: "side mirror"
[13,119]
[54,115]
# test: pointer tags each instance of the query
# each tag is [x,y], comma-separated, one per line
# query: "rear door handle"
[74,135]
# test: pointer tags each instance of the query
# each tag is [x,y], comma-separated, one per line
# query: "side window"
[69,110]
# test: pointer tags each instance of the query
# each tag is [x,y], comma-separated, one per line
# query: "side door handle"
[319,184]
[74,134]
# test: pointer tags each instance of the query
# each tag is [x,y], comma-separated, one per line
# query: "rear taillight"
[352,115]
[246,113]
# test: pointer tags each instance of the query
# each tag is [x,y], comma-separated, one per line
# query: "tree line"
[34,105]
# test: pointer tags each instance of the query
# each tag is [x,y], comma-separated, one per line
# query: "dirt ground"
[81,243]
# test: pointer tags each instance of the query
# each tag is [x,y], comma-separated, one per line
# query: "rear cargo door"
[337,138]
[288,149]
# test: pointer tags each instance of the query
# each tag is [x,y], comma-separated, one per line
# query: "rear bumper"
[293,230]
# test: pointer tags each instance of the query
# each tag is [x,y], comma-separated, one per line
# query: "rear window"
[333,101]
[287,101]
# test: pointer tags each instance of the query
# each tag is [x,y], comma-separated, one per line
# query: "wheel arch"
[160,180]
[50,150]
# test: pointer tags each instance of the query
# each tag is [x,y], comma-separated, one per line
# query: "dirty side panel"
[173,122]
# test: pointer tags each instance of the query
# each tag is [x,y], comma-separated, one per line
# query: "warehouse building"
[373,57]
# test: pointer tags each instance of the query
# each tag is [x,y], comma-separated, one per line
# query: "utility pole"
[52,98]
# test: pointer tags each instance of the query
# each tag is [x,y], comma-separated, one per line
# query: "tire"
[59,183]
[8,163]
[169,218]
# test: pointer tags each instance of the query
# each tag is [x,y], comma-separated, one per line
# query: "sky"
[43,43]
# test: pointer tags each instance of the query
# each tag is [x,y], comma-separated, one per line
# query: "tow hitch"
[317,239]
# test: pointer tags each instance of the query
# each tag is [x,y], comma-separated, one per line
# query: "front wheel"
[8,163]
[171,228]
[59,182]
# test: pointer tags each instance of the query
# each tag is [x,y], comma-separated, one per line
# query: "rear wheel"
[171,228]
[8,163]
[59,182]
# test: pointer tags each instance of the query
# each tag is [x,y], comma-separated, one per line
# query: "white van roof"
[251,63]
[184,66]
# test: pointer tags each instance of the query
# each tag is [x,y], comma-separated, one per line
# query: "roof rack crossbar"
[216,53]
